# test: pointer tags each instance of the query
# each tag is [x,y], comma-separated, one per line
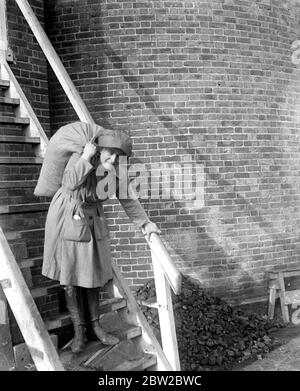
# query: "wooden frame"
[55,62]
[25,311]
[3,29]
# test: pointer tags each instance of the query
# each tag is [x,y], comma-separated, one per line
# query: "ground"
[286,353]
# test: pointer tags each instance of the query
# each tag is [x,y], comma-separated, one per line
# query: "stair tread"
[123,351]
[4,83]
[75,361]
[9,101]
[112,323]
[21,160]
[146,361]
[17,184]
[105,306]
[14,120]
[112,304]
[19,139]
[18,208]
[105,358]
[29,262]
[14,235]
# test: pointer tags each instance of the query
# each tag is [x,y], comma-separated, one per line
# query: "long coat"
[77,245]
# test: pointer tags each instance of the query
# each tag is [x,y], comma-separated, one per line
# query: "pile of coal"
[210,332]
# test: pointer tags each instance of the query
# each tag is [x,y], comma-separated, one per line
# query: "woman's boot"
[93,304]
[75,308]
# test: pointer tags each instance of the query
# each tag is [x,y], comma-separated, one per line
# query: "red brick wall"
[212,81]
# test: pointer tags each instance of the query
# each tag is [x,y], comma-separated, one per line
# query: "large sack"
[68,139]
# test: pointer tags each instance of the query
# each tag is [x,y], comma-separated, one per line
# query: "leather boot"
[75,308]
[96,329]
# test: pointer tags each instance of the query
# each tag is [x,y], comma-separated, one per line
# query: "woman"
[77,248]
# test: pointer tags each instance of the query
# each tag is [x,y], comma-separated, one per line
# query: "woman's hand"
[89,151]
[150,228]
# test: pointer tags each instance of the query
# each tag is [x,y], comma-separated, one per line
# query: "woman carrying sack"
[77,246]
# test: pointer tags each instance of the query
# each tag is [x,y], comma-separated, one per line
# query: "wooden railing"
[25,311]
[165,271]
[165,275]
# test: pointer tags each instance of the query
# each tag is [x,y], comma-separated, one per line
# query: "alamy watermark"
[182,180]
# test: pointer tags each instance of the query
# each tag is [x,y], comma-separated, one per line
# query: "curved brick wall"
[29,64]
[213,81]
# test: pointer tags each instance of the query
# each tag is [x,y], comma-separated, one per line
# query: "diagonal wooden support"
[7,360]
[165,314]
[29,320]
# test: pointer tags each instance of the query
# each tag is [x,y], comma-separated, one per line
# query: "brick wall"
[211,82]
[24,229]
[29,64]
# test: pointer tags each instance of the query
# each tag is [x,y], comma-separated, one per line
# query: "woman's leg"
[93,304]
[75,307]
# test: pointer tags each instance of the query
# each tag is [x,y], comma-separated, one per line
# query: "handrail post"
[166,315]
[3,30]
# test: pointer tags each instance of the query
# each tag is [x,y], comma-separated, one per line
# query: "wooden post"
[7,360]
[24,109]
[25,311]
[3,30]
[134,315]
[55,62]
[166,315]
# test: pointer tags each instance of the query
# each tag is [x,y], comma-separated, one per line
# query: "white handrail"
[167,264]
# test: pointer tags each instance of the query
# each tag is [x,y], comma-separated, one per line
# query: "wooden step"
[21,160]
[106,305]
[14,120]
[112,323]
[80,361]
[112,304]
[9,101]
[116,357]
[4,84]
[15,235]
[30,262]
[20,208]
[146,361]
[17,184]
[19,139]
[123,356]
[45,290]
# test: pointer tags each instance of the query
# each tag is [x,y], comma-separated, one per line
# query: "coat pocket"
[100,228]
[77,230]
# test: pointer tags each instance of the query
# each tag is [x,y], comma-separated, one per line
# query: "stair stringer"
[133,314]
[24,109]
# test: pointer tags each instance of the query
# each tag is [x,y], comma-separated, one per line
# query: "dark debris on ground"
[211,334]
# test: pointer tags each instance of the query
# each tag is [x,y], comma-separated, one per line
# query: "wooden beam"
[168,266]
[134,315]
[29,320]
[3,27]
[7,361]
[166,315]
[24,109]
[55,62]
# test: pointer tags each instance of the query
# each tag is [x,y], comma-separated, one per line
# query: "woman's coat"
[77,246]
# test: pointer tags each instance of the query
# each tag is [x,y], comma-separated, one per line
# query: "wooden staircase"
[22,218]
